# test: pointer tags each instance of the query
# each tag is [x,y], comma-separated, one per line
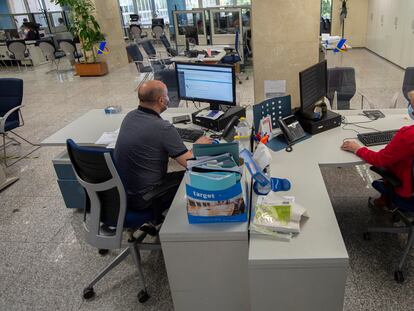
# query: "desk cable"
[357,124]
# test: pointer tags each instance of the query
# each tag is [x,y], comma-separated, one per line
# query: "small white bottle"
[243,131]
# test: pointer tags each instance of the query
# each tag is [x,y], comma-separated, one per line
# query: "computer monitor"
[313,86]
[214,84]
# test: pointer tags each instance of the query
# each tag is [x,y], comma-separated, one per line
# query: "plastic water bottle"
[243,131]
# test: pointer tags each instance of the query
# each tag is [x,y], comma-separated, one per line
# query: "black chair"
[233,56]
[169,78]
[50,52]
[408,84]
[152,53]
[107,215]
[136,32]
[342,81]
[167,45]
[17,51]
[400,207]
[69,47]
[11,97]
[136,56]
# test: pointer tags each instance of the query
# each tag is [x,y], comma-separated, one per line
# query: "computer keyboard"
[377,138]
[189,135]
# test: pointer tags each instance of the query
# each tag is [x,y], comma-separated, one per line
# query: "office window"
[227,2]
[226,22]
[127,8]
[144,11]
[17,6]
[161,9]
[34,6]
[243,2]
[210,3]
[191,4]
[51,6]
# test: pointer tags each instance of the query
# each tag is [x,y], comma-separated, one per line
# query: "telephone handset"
[291,129]
[228,132]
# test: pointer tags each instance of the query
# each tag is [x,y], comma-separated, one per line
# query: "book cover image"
[228,202]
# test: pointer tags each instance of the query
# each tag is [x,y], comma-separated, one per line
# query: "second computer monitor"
[214,84]
[313,85]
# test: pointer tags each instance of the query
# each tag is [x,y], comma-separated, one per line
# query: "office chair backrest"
[68,47]
[149,48]
[135,32]
[17,48]
[408,84]
[135,54]
[158,31]
[48,49]
[165,42]
[95,171]
[236,43]
[11,95]
[341,80]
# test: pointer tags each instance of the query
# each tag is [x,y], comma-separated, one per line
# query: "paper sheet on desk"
[108,139]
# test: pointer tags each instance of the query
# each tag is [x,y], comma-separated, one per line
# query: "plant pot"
[91,69]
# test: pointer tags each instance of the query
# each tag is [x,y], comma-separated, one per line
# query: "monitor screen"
[206,83]
[313,85]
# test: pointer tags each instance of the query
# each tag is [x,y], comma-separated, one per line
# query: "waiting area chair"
[136,56]
[51,53]
[69,48]
[152,53]
[17,51]
[233,56]
[166,43]
[157,32]
[342,81]
[136,33]
[11,97]
[107,215]
[400,208]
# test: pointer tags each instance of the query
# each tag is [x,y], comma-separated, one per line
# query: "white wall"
[390,30]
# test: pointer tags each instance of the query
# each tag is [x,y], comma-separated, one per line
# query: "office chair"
[233,55]
[69,48]
[152,53]
[136,56]
[157,32]
[50,53]
[408,84]
[136,33]
[169,78]
[171,52]
[400,207]
[342,81]
[107,215]
[17,51]
[11,96]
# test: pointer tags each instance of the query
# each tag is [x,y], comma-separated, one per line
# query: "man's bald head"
[150,92]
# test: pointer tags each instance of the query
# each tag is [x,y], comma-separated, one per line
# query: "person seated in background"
[30,33]
[144,146]
[397,157]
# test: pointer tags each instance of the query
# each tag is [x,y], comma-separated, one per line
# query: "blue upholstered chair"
[107,215]
[11,96]
[400,207]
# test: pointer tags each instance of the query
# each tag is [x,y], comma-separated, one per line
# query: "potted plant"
[85,27]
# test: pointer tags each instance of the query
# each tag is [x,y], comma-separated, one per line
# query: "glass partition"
[226,22]
[40,18]
[190,22]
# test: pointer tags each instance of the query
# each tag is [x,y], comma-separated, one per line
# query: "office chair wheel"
[399,276]
[88,293]
[103,251]
[143,296]
[367,236]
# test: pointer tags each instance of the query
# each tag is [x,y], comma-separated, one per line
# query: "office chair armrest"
[160,190]
[8,113]
[390,178]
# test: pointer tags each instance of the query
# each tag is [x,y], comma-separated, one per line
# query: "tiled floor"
[45,263]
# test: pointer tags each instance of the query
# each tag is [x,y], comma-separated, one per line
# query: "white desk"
[213,59]
[309,272]
[217,267]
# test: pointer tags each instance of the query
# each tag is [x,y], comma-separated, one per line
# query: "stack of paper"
[108,139]
[277,217]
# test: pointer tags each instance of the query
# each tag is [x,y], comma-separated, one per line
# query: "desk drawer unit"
[72,192]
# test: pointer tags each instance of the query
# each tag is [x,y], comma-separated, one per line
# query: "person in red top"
[397,156]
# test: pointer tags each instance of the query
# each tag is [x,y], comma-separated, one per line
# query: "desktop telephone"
[291,129]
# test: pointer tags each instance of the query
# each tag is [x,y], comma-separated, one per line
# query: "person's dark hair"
[150,95]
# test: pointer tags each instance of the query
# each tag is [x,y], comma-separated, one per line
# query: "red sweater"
[397,157]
